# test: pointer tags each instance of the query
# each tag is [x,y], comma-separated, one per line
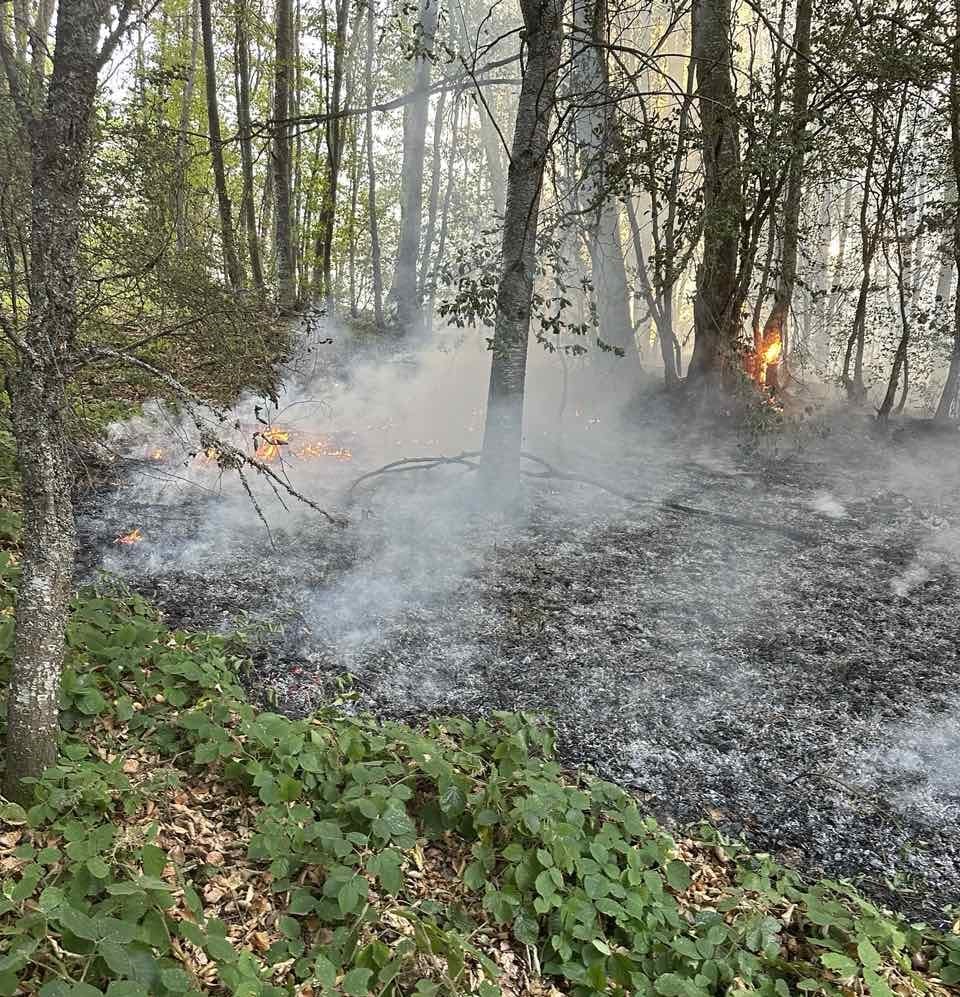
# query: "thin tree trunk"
[246,151]
[716,303]
[284,245]
[773,329]
[231,261]
[186,110]
[543,22]
[404,296]
[433,201]
[596,138]
[375,263]
[949,403]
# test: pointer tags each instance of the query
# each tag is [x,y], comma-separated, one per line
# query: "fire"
[768,353]
[322,448]
[272,439]
[209,456]
[156,453]
[133,537]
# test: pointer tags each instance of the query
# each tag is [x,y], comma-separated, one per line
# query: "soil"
[782,662]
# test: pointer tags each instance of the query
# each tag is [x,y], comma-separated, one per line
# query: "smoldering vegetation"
[779,655]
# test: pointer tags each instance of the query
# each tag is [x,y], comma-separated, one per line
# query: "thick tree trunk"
[284,245]
[773,328]
[433,202]
[246,149]
[543,22]
[716,320]
[59,133]
[404,291]
[230,259]
[597,141]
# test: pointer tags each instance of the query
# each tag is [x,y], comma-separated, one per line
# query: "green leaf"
[325,972]
[154,860]
[126,988]
[175,980]
[840,964]
[869,956]
[878,987]
[678,875]
[98,868]
[355,983]
[12,813]
[77,923]
[349,895]
[544,885]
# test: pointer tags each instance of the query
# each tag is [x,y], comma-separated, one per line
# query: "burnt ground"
[799,688]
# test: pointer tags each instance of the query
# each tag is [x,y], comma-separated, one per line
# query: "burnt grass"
[797,684]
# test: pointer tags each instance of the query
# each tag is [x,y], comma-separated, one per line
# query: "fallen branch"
[229,457]
[417,464]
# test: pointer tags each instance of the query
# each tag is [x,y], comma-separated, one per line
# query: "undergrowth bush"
[598,897]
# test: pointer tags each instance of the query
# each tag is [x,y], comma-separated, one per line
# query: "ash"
[799,688]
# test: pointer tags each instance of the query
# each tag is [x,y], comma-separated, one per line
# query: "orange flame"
[768,354]
[322,448]
[272,439]
[156,453]
[133,537]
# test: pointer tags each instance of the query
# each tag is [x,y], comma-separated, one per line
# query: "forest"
[480,498]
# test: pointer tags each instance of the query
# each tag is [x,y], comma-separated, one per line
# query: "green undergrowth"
[592,896]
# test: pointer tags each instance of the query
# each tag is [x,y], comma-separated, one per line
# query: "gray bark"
[716,320]
[404,291]
[284,245]
[543,22]
[246,150]
[224,208]
[59,130]
[597,143]
[949,404]
[375,263]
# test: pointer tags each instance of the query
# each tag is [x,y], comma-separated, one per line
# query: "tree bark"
[246,150]
[773,328]
[186,109]
[596,142]
[404,291]
[284,246]
[230,259]
[543,23]
[375,263]
[59,133]
[716,321]
[949,404]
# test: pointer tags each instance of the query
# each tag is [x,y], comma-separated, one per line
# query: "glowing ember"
[208,456]
[272,439]
[157,453]
[133,537]
[322,448]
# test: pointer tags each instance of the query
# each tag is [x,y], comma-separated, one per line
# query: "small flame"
[156,453]
[208,456]
[133,537]
[768,354]
[272,439]
[322,448]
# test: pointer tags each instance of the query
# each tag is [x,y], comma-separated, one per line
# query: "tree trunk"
[246,150]
[59,135]
[231,261]
[773,328]
[949,404]
[284,245]
[404,296]
[186,109]
[716,321]
[596,141]
[543,22]
[335,136]
[375,264]
[433,202]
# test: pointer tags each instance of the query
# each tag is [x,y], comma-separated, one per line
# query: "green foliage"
[343,808]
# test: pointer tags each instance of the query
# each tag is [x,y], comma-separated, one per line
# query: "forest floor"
[797,684]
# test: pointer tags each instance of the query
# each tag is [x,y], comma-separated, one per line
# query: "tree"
[716,306]
[773,329]
[284,242]
[543,30]
[404,291]
[55,118]
[597,143]
[231,261]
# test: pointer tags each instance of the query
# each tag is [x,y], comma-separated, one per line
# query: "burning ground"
[792,677]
